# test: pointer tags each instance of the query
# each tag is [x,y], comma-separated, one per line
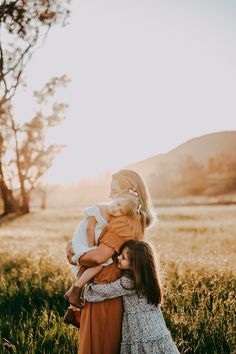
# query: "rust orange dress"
[100,325]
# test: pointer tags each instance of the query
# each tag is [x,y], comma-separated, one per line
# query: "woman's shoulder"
[125,220]
[116,220]
[118,231]
[126,226]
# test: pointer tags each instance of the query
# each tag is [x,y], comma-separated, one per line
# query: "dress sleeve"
[101,292]
[117,232]
[91,211]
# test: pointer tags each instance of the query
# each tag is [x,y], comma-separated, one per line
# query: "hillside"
[205,166]
[184,171]
[199,148]
[203,147]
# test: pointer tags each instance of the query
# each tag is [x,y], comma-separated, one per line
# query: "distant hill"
[205,146]
[199,148]
[205,165]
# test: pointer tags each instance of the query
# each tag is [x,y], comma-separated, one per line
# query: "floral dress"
[143,327]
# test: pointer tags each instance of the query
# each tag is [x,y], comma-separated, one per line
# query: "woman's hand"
[70,253]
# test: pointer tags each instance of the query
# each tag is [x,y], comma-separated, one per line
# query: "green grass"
[32,308]
[199,309]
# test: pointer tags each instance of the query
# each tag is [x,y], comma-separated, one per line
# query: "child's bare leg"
[80,272]
[87,275]
[75,293]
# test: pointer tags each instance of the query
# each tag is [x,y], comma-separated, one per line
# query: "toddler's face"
[117,207]
[123,260]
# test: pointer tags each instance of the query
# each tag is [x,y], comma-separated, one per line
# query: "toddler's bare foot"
[73,296]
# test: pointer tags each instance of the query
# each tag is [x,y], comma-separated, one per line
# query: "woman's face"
[123,260]
[116,190]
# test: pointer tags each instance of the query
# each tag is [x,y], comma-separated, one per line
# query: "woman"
[100,325]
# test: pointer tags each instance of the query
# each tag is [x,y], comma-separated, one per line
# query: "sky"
[146,76]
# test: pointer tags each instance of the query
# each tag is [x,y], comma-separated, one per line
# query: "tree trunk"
[43,200]
[10,205]
[25,202]
[24,194]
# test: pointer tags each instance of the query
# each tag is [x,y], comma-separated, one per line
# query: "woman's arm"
[101,292]
[98,256]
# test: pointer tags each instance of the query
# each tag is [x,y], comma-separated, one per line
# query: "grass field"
[196,246]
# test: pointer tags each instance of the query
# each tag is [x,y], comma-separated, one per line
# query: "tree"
[24,25]
[193,177]
[221,171]
[33,156]
[222,165]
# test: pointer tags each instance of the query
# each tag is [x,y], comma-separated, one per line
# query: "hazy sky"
[147,75]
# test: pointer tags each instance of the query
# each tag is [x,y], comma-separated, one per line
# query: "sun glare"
[136,91]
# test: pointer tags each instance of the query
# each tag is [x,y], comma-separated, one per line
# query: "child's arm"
[90,230]
[101,292]
[70,253]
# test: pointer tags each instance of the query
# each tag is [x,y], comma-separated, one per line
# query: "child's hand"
[70,253]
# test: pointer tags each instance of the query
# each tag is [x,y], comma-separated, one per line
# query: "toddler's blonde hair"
[131,203]
[131,180]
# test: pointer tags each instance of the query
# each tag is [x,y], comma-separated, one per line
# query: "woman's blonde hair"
[131,181]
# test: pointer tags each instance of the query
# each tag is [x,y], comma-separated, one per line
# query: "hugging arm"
[101,292]
[98,256]
[94,257]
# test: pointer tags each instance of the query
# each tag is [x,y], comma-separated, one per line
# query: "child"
[143,327]
[86,238]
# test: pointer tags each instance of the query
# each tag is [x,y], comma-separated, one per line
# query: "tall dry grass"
[196,248]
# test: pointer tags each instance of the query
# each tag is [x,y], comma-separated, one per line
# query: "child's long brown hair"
[144,271]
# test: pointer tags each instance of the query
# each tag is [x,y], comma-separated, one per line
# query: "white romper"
[80,242]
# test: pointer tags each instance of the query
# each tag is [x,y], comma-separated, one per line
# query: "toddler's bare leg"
[75,291]
[87,275]
[80,272]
